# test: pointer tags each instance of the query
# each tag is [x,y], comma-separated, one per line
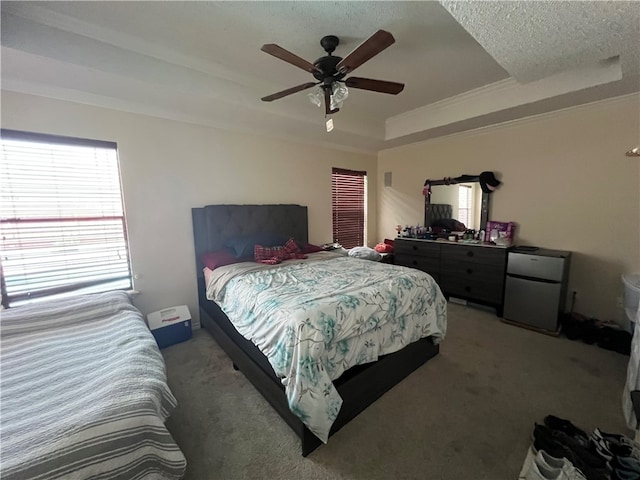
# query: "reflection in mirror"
[459,203]
[465,200]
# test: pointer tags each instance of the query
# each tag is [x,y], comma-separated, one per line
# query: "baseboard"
[532,328]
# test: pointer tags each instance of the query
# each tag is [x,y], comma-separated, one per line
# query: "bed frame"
[359,386]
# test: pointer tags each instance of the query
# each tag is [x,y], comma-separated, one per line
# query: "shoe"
[616,444]
[624,475]
[539,471]
[628,464]
[568,469]
[557,423]
[608,450]
[560,445]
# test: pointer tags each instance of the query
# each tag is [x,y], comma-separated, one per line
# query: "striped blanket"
[83,393]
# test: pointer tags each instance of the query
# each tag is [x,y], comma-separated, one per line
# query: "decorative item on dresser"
[474,272]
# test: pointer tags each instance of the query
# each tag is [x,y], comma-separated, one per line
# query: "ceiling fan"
[329,70]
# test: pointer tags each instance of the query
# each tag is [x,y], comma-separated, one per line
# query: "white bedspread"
[314,319]
[84,393]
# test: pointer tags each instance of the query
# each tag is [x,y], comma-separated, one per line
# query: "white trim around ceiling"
[532,119]
[500,96]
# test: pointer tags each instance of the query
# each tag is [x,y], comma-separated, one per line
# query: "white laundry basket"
[631,298]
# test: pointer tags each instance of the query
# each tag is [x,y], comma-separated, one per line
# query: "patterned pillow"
[243,245]
[275,255]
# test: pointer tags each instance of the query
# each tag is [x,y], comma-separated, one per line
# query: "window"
[349,193]
[62,218]
[465,205]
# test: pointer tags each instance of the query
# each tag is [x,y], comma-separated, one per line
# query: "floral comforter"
[313,319]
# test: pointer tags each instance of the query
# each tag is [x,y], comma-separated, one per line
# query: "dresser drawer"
[417,247]
[465,253]
[471,288]
[474,272]
[429,265]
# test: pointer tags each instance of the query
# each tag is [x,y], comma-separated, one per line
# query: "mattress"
[314,319]
[84,393]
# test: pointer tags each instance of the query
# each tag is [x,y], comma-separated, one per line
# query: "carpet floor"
[467,414]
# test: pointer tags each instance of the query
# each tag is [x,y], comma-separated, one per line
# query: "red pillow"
[274,255]
[219,258]
[261,253]
[291,246]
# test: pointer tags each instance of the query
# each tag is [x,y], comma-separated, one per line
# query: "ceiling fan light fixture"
[339,95]
[316,96]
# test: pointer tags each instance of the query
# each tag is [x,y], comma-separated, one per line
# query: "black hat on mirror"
[488,182]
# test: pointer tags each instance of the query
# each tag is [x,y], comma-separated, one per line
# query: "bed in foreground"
[323,337]
[84,393]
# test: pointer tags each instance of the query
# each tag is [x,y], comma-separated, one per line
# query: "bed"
[355,386]
[84,393]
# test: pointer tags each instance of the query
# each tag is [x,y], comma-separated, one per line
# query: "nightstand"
[387,258]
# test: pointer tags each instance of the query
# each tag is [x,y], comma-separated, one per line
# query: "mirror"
[464,199]
[459,203]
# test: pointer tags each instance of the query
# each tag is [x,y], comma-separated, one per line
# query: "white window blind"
[349,202]
[465,205]
[61,216]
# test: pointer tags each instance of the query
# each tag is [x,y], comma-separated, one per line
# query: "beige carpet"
[467,414]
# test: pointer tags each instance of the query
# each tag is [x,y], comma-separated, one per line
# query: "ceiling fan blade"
[287,56]
[374,85]
[367,49]
[288,91]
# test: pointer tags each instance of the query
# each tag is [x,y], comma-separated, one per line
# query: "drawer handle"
[469,271]
[469,253]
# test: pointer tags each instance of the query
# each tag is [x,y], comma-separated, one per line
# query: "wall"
[168,167]
[566,183]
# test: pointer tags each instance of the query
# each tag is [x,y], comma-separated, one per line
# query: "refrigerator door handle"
[531,279]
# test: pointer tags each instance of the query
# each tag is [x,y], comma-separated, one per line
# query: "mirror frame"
[484,207]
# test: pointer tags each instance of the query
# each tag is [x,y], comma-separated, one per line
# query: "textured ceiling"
[533,40]
[201,61]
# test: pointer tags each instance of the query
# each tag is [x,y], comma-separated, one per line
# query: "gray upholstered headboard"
[439,211]
[214,224]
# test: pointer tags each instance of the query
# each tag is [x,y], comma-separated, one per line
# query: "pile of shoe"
[607,335]
[621,453]
[562,451]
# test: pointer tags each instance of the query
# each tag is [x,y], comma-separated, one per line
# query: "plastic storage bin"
[171,325]
[631,295]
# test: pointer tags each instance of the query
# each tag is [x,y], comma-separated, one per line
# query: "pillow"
[275,255]
[219,258]
[365,253]
[309,247]
[260,253]
[242,245]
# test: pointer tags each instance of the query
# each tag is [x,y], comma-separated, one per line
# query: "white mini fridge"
[536,287]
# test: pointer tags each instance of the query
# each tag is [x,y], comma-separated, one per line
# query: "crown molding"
[612,102]
[500,96]
[59,21]
[127,107]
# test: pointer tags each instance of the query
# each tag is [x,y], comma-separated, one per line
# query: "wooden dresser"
[474,272]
